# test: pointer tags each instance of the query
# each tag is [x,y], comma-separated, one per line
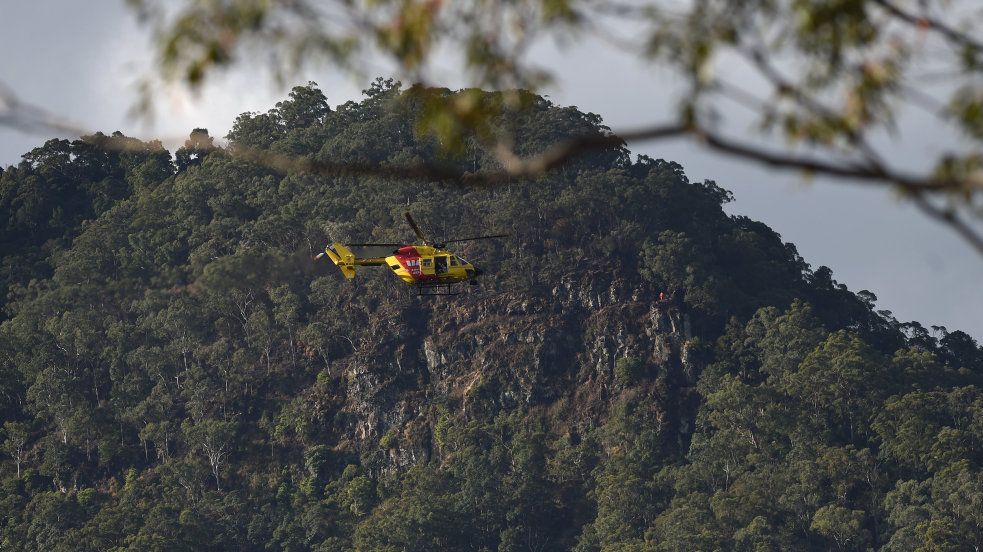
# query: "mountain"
[177,374]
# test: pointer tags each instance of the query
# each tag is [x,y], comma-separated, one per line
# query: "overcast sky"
[82,60]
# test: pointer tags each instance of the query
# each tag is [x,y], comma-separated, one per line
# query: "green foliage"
[854,58]
[196,147]
[177,375]
[844,527]
[628,371]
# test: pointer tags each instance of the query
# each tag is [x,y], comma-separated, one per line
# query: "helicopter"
[428,266]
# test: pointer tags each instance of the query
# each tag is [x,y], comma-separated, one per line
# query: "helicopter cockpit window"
[453,260]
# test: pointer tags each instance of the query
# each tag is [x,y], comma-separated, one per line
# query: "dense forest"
[176,373]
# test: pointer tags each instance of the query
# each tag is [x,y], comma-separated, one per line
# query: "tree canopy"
[177,374]
[824,82]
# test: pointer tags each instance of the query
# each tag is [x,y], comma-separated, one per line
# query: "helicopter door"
[440,264]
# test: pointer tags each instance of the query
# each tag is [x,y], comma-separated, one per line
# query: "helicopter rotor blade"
[375,244]
[416,229]
[489,237]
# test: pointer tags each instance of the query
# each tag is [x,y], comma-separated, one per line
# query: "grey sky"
[82,60]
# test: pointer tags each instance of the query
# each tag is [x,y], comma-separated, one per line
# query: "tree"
[306,107]
[836,382]
[180,312]
[844,527]
[214,439]
[421,517]
[196,147]
[784,340]
[939,513]
[15,442]
[858,67]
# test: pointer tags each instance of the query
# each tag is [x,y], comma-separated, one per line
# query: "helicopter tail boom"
[343,257]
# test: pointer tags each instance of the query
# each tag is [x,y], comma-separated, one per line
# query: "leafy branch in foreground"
[831,78]
[175,373]
[515,167]
[828,78]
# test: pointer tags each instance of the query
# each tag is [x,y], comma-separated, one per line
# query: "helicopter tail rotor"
[343,258]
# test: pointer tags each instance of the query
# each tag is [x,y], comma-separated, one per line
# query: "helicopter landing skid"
[428,290]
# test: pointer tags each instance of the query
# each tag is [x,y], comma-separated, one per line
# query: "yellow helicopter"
[428,266]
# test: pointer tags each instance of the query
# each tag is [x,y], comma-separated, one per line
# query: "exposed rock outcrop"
[557,348]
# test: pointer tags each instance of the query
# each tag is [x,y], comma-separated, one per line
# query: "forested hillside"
[176,373]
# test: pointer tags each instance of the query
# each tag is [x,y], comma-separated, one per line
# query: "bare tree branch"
[530,167]
[24,117]
[515,167]
[923,21]
[952,219]
[784,86]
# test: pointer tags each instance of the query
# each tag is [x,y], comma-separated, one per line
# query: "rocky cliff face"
[176,371]
[568,348]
